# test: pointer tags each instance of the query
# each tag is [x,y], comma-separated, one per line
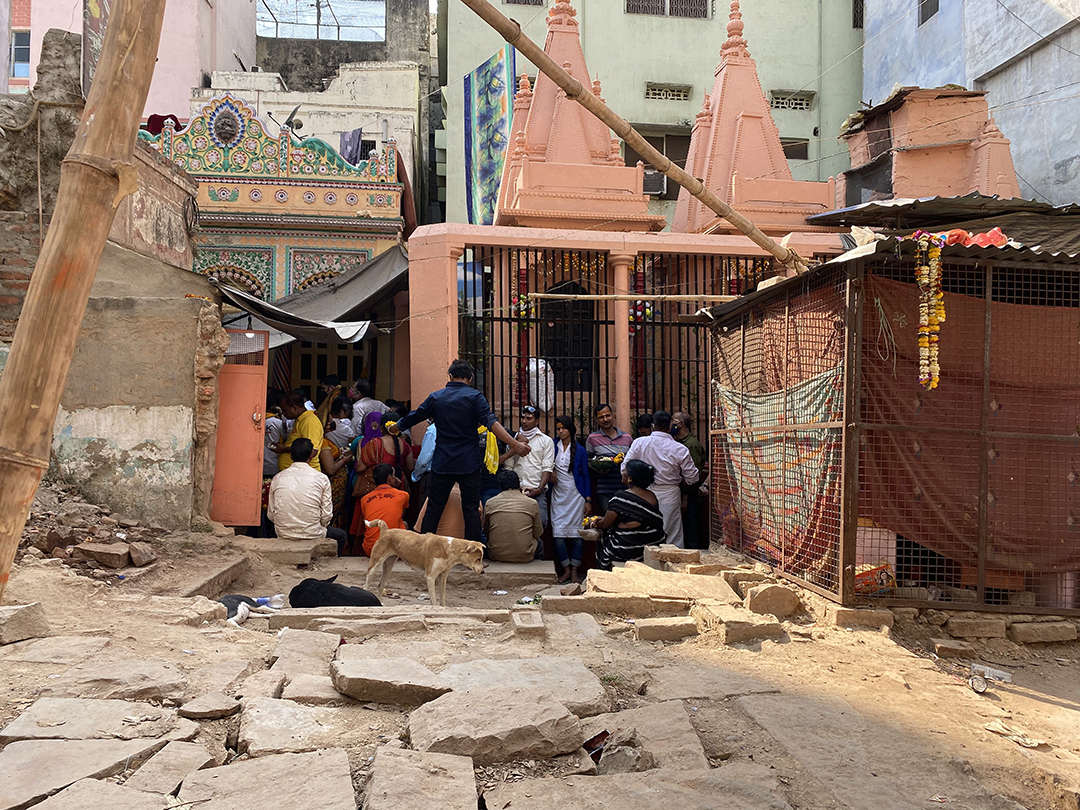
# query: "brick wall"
[18,254]
[20,14]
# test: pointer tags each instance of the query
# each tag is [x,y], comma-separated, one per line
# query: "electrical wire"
[1042,37]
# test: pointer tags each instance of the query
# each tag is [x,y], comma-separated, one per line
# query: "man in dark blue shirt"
[458,410]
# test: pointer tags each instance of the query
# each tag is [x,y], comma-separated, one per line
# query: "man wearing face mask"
[536,468]
[674,467]
[695,528]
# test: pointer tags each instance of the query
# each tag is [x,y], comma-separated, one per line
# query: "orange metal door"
[236,499]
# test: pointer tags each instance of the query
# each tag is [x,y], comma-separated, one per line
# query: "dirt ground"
[901,715]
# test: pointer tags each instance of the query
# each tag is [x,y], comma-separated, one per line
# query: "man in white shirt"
[365,404]
[674,467]
[274,432]
[536,468]
[300,504]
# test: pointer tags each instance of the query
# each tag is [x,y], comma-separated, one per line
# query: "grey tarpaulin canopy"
[325,313]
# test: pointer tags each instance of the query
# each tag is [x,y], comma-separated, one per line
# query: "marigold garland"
[931,306]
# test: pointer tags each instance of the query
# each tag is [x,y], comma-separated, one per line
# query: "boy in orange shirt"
[386,503]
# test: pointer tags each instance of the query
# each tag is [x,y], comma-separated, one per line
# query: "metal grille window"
[525,2]
[668,92]
[858,10]
[658,7]
[781,100]
[674,147]
[689,8]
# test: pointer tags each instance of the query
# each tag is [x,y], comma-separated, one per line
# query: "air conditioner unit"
[655,183]
[256,69]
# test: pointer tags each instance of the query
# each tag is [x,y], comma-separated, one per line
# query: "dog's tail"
[379,524]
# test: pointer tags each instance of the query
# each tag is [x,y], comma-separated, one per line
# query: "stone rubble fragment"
[578,689]
[320,780]
[76,719]
[387,680]
[413,779]
[211,706]
[164,771]
[20,622]
[120,680]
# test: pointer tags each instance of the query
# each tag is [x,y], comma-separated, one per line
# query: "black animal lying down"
[314,593]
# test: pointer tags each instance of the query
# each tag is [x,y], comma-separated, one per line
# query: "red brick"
[10,299]
[15,285]
[18,275]
[17,261]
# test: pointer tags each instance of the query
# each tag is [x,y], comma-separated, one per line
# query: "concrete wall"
[792,43]
[198,37]
[363,94]
[125,430]
[1029,78]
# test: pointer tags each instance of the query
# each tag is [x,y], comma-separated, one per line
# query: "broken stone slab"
[638,606]
[164,771]
[53,650]
[664,730]
[195,611]
[975,628]
[701,681]
[399,681]
[314,690]
[141,554]
[31,770]
[528,623]
[265,684]
[624,753]
[367,628]
[215,584]
[1042,632]
[20,622]
[661,584]
[735,786]
[951,648]
[211,706]
[304,652]
[864,618]
[736,576]
[320,779]
[221,676]
[282,552]
[577,688]
[577,763]
[773,600]
[496,725]
[269,726]
[674,628]
[706,569]
[657,556]
[413,779]
[735,625]
[120,680]
[111,555]
[432,654]
[75,719]
[92,794]
[302,618]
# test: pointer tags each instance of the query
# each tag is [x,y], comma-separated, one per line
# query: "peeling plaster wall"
[138,460]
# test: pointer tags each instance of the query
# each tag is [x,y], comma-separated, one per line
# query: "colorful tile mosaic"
[251,267]
[310,267]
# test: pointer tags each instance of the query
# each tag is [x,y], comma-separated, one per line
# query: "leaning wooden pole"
[96,174]
[511,32]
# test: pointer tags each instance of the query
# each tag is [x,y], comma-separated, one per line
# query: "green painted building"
[656,60]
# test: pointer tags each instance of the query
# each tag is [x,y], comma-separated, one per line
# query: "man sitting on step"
[511,521]
[300,504]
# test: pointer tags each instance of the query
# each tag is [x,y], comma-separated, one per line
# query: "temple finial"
[735,44]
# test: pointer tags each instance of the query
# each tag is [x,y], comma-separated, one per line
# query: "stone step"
[302,618]
[320,779]
[218,581]
[403,779]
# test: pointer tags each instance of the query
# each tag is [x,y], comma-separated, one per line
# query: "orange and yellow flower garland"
[931,306]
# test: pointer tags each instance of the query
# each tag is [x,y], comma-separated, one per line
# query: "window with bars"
[20,54]
[697,9]
[858,9]
[927,9]
[668,92]
[782,100]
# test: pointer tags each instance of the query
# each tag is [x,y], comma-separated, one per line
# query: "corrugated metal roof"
[935,212]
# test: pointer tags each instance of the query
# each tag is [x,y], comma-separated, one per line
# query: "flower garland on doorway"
[931,306]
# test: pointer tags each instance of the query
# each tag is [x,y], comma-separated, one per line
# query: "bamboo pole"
[95,176]
[510,30]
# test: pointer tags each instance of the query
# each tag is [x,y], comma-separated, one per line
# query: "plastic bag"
[541,385]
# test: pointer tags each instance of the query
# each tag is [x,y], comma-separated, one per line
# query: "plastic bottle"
[276,602]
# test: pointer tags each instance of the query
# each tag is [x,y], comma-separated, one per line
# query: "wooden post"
[96,175]
[511,32]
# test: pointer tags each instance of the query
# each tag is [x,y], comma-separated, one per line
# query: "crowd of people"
[353,458]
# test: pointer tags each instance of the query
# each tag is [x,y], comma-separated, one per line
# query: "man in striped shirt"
[603,446]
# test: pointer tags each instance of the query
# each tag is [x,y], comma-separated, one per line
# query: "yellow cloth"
[306,426]
[491,450]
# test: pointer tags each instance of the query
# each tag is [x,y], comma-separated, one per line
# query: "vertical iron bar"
[984,441]
[849,464]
